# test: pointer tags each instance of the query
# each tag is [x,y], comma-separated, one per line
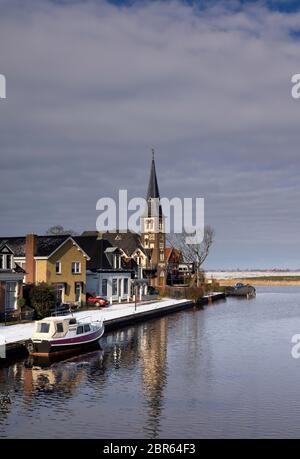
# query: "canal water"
[225,371]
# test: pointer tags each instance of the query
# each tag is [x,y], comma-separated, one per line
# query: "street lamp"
[137,283]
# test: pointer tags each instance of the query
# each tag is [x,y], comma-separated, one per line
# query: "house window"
[10,295]
[8,261]
[125,286]
[76,267]
[1,262]
[120,287]
[58,267]
[117,261]
[104,287]
[77,291]
[162,255]
[115,286]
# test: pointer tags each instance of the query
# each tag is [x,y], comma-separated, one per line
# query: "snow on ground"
[13,333]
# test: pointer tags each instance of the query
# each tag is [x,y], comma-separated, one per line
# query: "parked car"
[97,301]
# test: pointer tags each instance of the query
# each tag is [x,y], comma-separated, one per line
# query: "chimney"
[30,245]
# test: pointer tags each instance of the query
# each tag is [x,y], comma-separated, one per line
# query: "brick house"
[56,260]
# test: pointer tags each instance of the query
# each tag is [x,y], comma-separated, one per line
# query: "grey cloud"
[91,87]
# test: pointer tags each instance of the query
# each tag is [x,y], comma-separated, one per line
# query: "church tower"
[152,229]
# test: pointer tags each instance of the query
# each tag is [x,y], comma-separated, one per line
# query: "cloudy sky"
[93,85]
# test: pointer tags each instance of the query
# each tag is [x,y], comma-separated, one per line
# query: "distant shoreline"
[262,281]
[255,277]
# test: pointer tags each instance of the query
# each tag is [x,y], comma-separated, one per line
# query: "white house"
[11,279]
[108,274]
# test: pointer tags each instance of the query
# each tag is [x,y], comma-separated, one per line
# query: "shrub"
[43,299]
[21,303]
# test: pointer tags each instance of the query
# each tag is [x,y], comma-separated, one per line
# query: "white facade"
[110,285]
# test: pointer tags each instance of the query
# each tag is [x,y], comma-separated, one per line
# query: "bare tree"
[193,253]
[59,230]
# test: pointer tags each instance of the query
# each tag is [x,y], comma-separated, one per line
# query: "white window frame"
[58,263]
[76,264]
[8,291]
[5,257]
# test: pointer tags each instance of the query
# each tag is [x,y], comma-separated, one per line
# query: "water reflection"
[224,371]
[36,382]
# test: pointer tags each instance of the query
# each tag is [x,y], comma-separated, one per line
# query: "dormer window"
[117,261]
[8,262]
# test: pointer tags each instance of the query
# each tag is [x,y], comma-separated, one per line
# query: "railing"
[15,315]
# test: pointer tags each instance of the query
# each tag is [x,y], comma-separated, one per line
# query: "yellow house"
[57,260]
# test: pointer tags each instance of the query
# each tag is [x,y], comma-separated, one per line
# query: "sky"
[93,85]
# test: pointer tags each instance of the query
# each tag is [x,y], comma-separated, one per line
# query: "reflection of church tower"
[152,228]
[153,352]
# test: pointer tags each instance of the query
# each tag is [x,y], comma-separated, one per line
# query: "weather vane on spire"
[152,153]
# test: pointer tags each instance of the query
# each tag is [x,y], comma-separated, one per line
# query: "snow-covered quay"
[112,316]
[117,312]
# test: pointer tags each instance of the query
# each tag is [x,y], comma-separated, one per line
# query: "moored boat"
[241,290]
[59,335]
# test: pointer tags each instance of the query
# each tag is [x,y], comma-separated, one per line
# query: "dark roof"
[98,250]
[153,195]
[128,241]
[4,245]
[95,249]
[16,244]
[153,191]
[45,245]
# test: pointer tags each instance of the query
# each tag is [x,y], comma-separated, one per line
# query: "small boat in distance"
[60,335]
[241,290]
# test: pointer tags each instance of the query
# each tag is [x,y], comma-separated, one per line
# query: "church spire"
[153,191]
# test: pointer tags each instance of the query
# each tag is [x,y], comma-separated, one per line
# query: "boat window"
[59,328]
[86,328]
[79,330]
[43,327]
[72,321]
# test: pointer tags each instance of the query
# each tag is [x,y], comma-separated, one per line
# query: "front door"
[59,293]
[77,292]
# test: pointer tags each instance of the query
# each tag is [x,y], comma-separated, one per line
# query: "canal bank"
[114,317]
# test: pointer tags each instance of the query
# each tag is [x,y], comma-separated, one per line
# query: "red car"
[97,301]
